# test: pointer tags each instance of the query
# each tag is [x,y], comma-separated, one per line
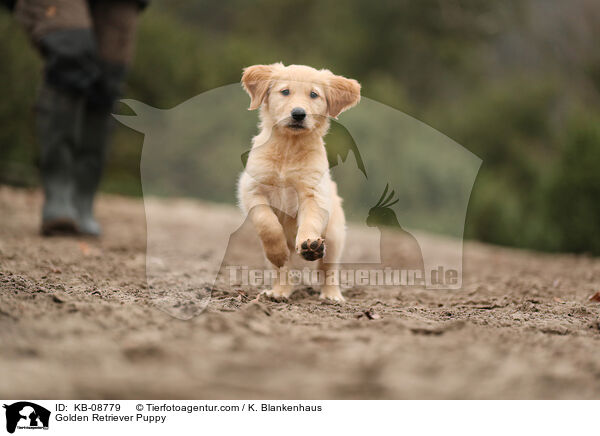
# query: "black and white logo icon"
[26,415]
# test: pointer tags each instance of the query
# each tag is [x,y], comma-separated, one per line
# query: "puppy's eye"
[313,94]
[285,92]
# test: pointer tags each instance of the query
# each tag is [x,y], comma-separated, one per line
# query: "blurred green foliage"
[516,82]
[19,76]
[573,194]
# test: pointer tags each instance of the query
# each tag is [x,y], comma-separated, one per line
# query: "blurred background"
[517,82]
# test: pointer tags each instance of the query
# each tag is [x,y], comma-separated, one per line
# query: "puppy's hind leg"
[335,238]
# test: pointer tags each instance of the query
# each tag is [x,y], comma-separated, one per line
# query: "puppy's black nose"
[298,114]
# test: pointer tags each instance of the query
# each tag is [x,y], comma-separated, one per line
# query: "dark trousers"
[87,46]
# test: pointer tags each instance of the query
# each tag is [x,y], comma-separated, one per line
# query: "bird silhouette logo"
[382,214]
[398,247]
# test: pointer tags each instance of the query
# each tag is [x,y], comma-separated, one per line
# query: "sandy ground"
[77,321]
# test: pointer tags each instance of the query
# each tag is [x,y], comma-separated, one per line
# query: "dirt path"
[76,322]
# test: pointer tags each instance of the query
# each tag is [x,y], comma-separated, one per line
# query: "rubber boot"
[90,156]
[57,123]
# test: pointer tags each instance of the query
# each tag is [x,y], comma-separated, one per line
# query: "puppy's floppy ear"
[342,94]
[256,81]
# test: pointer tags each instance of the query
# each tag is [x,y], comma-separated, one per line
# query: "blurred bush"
[573,196]
[19,76]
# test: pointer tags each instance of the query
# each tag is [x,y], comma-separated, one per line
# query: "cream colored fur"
[286,187]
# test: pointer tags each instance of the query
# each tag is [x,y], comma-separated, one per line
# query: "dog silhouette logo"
[26,415]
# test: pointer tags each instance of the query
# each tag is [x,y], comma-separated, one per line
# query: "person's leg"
[61,30]
[57,118]
[114,24]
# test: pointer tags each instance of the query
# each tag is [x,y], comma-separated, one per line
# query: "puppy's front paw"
[331,293]
[312,249]
[276,294]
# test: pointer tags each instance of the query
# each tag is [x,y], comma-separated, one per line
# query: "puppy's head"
[297,99]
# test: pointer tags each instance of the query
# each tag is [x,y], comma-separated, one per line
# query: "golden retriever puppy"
[286,188]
